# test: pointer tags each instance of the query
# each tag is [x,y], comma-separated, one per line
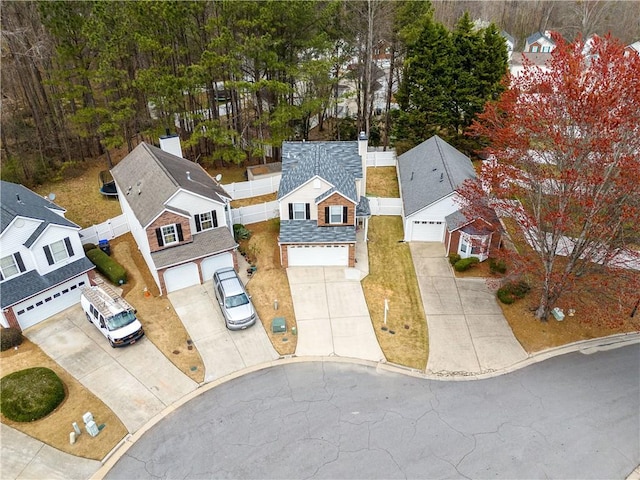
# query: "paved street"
[467,330]
[332,314]
[574,416]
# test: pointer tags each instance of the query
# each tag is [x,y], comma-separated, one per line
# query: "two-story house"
[42,263]
[178,215]
[539,43]
[322,201]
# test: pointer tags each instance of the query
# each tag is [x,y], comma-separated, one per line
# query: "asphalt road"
[575,416]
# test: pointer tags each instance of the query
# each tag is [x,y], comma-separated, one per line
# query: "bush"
[9,338]
[497,266]
[240,232]
[88,246]
[454,258]
[108,266]
[31,394]
[465,264]
[513,291]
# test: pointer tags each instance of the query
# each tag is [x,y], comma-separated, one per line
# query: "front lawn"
[392,276]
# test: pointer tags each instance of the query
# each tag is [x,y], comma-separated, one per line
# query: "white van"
[111,314]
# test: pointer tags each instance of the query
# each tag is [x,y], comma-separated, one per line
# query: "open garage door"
[182,276]
[427,231]
[211,264]
[318,256]
[55,300]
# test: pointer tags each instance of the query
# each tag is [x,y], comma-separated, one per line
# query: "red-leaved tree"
[565,165]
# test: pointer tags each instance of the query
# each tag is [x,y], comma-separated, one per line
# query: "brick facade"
[168,218]
[452,239]
[333,200]
[10,315]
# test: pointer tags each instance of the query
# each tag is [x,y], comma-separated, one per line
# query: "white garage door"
[313,256]
[211,264]
[44,305]
[427,231]
[182,276]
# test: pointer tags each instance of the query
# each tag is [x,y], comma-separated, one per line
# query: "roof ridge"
[160,164]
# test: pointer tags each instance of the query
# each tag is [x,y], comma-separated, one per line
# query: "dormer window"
[206,221]
[169,234]
[58,251]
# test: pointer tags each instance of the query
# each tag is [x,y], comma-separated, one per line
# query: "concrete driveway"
[331,313]
[222,351]
[467,330]
[136,381]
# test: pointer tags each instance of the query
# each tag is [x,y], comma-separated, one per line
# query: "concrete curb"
[586,347]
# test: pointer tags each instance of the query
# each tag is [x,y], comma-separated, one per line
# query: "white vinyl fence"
[381,159]
[385,206]
[112,228]
[255,213]
[253,188]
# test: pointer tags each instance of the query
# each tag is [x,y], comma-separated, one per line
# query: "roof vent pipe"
[188,175]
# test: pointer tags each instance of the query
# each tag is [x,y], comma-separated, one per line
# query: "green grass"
[31,394]
[392,276]
[382,182]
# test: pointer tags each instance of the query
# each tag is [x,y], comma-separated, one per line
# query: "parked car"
[111,314]
[235,303]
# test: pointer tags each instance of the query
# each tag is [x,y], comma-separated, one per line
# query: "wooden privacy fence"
[112,228]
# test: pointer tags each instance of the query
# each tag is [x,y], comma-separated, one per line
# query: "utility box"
[92,428]
[278,325]
[87,417]
[558,314]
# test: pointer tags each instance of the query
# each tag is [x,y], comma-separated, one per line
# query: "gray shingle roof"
[363,209]
[336,162]
[31,283]
[19,201]
[151,176]
[539,59]
[307,231]
[204,244]
[456,220]
[431,171]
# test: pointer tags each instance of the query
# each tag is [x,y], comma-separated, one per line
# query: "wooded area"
[236,78]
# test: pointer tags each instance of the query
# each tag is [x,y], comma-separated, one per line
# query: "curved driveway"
[574,416]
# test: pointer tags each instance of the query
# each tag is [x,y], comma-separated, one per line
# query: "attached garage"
[211,264]
[55,300]
[427,231]
[317,255]
[182,276]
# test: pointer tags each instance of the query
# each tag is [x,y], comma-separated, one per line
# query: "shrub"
[240,232]
[465,264]
[513,291]
[108,266]
[31,394]
[9,338]
[454,258]
[88,246]
[497,266]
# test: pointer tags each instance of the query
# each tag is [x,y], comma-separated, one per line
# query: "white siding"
[20,229]
[304,194]
[54,233]
[436,212]
[194,204]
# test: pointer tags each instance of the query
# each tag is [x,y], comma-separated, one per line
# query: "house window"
[535,48]
[11,265]
[463,245]
[546,49]
[58,251]
[206,221]
[169,234]
[336,214]
[299,211]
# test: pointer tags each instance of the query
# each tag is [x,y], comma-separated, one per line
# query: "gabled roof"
[508,38]
[148,177]
[204,244]
[308,231]
[19,201]
[431,171]
[634,46]
[538,36]
[336,162]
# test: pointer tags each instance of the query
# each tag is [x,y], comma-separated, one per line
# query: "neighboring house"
[42,262]
[429,176]
[322,201]
[539,43]
[510,42]
[518,60]
[178,215]
[634,48]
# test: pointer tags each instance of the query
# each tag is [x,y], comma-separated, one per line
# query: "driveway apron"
[222,351]
[24,457]
[136,381]
[468,333]
[331,313]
